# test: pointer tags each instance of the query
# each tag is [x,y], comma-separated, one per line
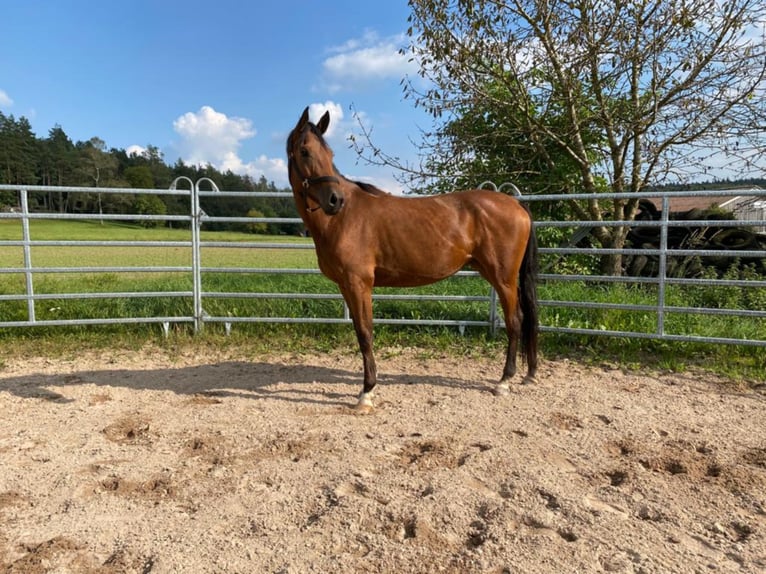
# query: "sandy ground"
[139,462]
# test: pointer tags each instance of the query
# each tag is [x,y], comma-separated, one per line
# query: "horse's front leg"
[357,293]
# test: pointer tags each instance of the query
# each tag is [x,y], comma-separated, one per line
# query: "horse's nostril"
[333,199]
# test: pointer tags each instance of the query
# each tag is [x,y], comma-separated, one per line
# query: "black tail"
[528,301]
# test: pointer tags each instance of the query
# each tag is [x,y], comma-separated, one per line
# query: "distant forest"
[57,161]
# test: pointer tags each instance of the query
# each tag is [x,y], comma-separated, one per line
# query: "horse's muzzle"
[333,203]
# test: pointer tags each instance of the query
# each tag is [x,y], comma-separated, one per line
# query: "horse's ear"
[324,121]
[304,119]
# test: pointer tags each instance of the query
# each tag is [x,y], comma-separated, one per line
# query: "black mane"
[371,189]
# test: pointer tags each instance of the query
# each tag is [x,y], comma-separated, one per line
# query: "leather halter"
[307,182]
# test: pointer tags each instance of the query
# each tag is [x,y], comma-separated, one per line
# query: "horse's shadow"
[257,380]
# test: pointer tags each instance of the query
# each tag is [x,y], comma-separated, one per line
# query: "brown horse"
[365,237]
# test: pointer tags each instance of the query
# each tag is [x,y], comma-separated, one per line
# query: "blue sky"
[220,82]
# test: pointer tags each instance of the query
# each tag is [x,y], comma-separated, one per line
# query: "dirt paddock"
[143,462]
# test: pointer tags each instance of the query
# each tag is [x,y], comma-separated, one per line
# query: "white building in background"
[747,208]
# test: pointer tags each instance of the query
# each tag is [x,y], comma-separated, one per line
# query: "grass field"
[130,256]
[247,278]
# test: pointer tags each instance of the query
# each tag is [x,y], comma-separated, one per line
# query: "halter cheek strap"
[308,182]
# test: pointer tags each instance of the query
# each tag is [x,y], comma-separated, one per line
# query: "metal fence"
[198,297]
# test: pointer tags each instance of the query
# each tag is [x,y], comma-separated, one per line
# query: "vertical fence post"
[662,272]
[494,320]
[197,215]
[27,238]
[194,222]
[196,225]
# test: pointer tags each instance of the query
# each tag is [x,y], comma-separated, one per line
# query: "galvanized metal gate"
[197,294]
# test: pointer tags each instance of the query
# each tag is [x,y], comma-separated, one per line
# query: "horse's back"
[495,210]
[466,216]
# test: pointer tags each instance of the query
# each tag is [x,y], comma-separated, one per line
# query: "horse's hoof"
[365,405]
[361,409]
[529,380]
[502,390]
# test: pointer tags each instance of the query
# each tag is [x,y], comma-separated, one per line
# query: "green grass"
[737,361]
[65,230]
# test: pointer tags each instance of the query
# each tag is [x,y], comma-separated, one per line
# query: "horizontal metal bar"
[60,243]
[42,270]
[652,280]
[338,296]
[248,295]
[664,337]
[255,245]
[92,216]
[715,253]
[315,320]
[335,320]
[105,321]
[247,194]
[213,219]
[270,270]
[99,295]
[750,192]
[294,270]
[653,251]
[715,282]
[658,223]
[457,298]
[598,278]
[594,305]
[93,190]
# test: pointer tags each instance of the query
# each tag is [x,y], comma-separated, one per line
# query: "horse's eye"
[304,152]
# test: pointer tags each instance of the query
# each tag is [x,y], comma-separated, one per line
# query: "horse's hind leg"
[508,296]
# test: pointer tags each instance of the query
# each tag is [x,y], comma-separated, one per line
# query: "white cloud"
[273,169]
[135,149]
[317,109]
[212,137]
[367,58]
[5,99]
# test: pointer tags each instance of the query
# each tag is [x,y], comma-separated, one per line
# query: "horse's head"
[310,165]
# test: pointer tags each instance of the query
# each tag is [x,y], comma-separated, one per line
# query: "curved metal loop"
[505,185]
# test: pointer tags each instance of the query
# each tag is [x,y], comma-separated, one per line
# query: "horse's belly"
[388,280]
[420,261]
[404,276]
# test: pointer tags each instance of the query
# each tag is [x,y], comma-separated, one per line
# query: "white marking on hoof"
[503,389]
[529,380]
[365,403]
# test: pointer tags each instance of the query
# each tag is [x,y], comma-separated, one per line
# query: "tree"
[18,151]
[255,227]
[148,205]
[627,93]
[474,146]
[97,166]
[61,154]
[139,176]
[58,166]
